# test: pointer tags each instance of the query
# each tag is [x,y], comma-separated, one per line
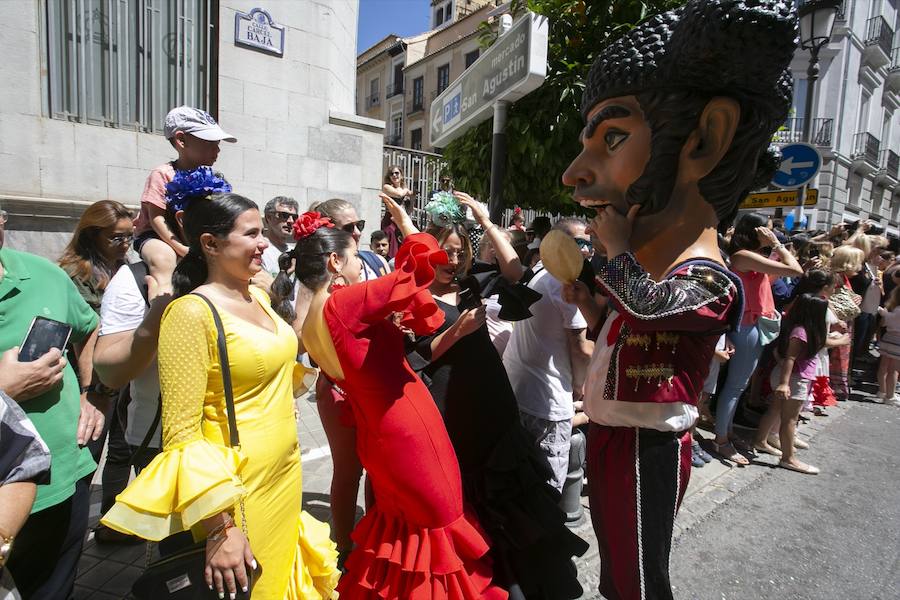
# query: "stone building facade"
[855,117]
[83,120]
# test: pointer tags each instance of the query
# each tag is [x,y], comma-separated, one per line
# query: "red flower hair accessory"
[307,224]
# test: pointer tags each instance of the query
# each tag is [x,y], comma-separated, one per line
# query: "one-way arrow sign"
[800,163]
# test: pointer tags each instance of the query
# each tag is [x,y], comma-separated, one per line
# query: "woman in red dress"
[416,542]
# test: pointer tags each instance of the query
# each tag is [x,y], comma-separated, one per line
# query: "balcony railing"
[416,104]
[373,100]
[865,147]
[393,89]
[879,33]
[895,59]
[394,140]
[889,163]
[820,133]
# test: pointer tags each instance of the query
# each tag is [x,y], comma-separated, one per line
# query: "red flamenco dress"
[416,542]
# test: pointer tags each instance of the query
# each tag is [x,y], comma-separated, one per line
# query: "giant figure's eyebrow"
[613,111]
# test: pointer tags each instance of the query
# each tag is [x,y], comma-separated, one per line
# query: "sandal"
[800,468]
[728,452]
[743,446]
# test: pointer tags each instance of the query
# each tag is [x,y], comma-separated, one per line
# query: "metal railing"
[865,146]
[126,63]
[372,100]
[895,59]
[393,89]
[792,131]
[415,106]
[422,174]
[889,162]
[879,33]
[841,12]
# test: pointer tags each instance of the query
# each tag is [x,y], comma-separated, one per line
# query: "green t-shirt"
[33,286]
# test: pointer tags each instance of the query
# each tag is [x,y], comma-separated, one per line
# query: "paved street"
[732,540]
[835,535]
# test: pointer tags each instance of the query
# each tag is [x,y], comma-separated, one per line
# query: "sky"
[377,18]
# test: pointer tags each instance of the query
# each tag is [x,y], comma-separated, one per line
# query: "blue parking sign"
[800,163]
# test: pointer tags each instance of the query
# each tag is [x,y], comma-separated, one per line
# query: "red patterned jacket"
[653,354]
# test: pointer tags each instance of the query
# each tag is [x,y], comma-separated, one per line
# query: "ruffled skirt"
[394,559]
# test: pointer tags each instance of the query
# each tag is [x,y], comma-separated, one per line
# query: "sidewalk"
[106,572]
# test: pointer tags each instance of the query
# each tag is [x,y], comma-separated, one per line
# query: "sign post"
[800,163]
[514,66]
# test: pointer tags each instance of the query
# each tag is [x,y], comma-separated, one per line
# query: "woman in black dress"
[504,478]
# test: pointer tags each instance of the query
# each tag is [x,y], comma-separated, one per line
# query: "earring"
[338,281]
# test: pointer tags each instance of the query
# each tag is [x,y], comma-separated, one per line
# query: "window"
[415,141]
[471,57]
[374,93]
[396,137]
[439,17]
[127,63]
[418,97]
[397,84]
[863,124]
[448,12]
[443,78]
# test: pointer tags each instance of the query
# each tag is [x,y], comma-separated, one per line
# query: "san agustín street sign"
[515,65]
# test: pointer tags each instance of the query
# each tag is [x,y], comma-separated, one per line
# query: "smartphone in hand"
[43,335]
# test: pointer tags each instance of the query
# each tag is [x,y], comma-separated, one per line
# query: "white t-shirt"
[537,357]
[123,308]
[270,258]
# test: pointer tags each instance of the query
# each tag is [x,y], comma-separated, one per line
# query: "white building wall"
[292,116]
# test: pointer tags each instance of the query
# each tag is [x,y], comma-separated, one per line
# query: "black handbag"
[179,575]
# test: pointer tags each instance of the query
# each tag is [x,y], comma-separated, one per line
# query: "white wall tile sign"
[257,30]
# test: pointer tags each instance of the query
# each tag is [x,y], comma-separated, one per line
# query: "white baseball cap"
[196,122]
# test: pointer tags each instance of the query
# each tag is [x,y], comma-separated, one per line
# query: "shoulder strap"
[234,440]
[139,270]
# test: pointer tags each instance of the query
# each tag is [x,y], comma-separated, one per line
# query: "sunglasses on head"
[284,216]
[349,227]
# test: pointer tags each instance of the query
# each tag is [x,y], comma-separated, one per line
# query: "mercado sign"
[783,198]
[258,30]
[515,65]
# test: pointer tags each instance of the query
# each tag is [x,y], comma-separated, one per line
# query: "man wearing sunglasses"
[280,213]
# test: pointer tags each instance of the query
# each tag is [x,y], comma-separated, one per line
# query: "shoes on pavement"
[800,444]
[706,456]
[727,451]
[696,461]
[799,467]
[878,398]
[819,411]
[773,441]
[895,401]
[767,449]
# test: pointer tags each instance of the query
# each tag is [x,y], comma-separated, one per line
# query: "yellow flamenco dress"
[198,475]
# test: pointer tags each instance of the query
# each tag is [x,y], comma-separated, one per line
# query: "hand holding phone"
[26,380]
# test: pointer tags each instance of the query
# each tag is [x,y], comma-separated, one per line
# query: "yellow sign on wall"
[781,198]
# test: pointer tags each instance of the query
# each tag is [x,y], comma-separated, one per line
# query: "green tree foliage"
[543,127]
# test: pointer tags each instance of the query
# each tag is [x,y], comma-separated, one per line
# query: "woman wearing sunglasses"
[395,187]
[93,255]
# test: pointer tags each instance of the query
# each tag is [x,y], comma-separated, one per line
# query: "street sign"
[779,199]
[515,65]
[799,164]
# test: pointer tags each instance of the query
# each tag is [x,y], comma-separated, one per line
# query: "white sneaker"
[878,398]
[895,401]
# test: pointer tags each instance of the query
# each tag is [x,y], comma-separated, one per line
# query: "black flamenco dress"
[504,478]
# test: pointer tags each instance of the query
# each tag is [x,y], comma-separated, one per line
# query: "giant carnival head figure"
[679,114]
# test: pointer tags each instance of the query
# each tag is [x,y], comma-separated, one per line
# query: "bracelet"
[220,532]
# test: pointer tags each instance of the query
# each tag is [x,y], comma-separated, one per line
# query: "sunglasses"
[122,238]
[396,174]
[584,243]
[285,216]
[349,227]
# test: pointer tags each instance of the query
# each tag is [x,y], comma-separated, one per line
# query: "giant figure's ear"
[710,141]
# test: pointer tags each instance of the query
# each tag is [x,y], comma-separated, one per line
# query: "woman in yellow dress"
[197,481]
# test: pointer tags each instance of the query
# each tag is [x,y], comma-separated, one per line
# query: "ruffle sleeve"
[181,487]
[405,290]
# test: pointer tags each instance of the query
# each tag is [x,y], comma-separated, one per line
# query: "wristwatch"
[6,543]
